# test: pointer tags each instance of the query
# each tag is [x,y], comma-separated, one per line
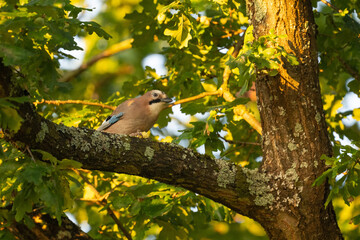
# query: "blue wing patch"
[110,120]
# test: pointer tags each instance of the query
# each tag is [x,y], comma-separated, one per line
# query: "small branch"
[239,110]
[124,45]
[30,153]
[102,201]
[353,72]
[230,34]
[227,70]
[95,201]
[121,46]
[238,142]
[331,6]
[201,95]
[59,102]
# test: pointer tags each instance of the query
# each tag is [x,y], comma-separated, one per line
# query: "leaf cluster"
[144,207]
[26,184]
[338,46]
[344,174]
[340,51]
[258,57]
[34,36]
[9,118]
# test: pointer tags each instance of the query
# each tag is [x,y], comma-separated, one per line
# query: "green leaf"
[269,52]
[273,72]
[356,219]
[180,33]
[67,163]
[47,156]
[156,208]
[323,177]
[34,173]
[24,200]
[249,37]
[10,119]
[292,59]
[92,27]
[135,208]
[14,55]
[122,202]
[194,107]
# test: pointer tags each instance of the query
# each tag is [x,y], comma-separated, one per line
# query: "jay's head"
[157,100]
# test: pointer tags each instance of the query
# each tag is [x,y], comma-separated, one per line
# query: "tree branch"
[216,179]
[353,72]
[193,98]
[121,46]
[331,6]
[239,142]
[59,102]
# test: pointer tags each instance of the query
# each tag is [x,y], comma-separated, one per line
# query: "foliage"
[196,38]
[34,36]
[9,118]
[25,183]
[339,68]
[257,58]
[344,174]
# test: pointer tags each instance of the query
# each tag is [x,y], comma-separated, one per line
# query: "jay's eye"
[155,95]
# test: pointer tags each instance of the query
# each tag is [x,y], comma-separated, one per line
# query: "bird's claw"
[137,134]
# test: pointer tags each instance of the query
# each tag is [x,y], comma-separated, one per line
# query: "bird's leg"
[137,134]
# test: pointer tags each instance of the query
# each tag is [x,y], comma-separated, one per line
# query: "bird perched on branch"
[137,114]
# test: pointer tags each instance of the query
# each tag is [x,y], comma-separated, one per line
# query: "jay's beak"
[167,100]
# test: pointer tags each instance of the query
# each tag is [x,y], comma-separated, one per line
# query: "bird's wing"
[110,120]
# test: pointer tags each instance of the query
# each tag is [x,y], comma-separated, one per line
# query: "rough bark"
[279,195]
[293,124]
[217,179]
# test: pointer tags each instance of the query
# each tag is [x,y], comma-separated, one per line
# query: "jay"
[137,114]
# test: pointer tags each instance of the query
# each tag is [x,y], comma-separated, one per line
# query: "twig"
[227,70]
[121,46]
[29,151]
[89,200]
[238,142]
[59,102]
[239,110]
[102,201]
[353,72]
[330,5]
[201,95]
[230,34]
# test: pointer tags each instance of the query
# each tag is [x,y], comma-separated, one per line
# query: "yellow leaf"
[209,87]
[356,114]
[167,139]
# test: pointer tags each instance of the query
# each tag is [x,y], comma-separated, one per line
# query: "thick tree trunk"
[294,129]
